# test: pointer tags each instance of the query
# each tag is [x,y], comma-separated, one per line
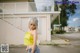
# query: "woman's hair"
[33,20]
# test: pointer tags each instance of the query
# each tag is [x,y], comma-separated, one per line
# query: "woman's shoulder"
[31,32]
[34,32]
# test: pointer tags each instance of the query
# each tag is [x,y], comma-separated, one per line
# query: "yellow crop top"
[28,39]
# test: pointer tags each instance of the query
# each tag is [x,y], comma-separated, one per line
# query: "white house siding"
[42,28]
[18,14]
[17,7]
[12,35]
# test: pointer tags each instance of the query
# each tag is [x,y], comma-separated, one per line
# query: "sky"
[74,20]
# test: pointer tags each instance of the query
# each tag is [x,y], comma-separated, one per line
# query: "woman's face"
[32,26]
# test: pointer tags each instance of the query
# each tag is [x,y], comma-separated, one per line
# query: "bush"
[59,31]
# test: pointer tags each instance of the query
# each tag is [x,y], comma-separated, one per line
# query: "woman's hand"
[26,48]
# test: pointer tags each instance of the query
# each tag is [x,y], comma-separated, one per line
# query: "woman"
[30,39]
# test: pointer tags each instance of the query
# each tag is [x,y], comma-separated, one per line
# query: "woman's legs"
[29,50]
[37,50]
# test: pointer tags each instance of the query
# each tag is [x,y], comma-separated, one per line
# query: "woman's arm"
[35,40]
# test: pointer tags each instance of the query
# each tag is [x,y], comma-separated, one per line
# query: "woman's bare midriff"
[30,46]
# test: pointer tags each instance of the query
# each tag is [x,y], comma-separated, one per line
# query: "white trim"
[32,13]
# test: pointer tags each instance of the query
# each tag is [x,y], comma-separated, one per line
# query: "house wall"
[12,35]
[16,0]
[17,7]
[11,28]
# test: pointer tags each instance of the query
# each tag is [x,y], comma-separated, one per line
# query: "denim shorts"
[37,50]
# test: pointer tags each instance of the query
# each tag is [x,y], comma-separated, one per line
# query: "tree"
[67,9]
[56,21]
[55,6]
